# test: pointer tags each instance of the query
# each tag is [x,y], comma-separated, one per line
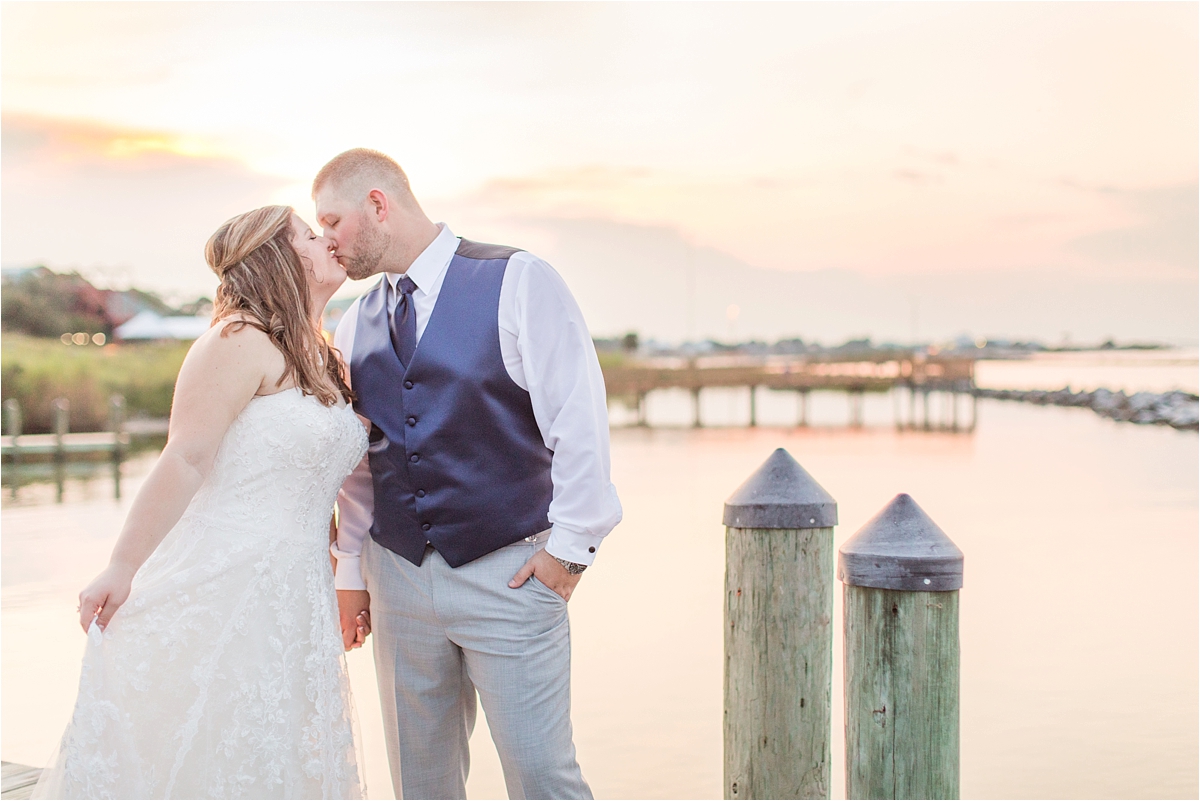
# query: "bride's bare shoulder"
[234,338]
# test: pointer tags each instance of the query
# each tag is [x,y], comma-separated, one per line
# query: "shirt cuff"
[348,573]
[573,546]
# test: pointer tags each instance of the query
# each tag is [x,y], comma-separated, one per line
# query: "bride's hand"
[102,598]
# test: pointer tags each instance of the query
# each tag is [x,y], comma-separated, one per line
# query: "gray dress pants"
[443,634]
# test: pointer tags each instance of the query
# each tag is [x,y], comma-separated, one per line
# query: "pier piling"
[116,423]
[61,408]
[13,422]
[778,633]
[901,576]
[856,407]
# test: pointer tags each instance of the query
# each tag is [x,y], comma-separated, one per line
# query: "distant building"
[150,326]
[123,306]
[43,303]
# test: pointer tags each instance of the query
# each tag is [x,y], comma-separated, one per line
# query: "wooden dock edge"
[17,781]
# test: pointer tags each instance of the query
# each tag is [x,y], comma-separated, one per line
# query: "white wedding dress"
[223,675]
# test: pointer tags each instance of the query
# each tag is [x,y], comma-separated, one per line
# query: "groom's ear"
[379,204]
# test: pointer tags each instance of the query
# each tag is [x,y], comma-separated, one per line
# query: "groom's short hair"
[359,171]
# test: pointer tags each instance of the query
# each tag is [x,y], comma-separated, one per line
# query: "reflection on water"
[37,481]
[29,484]
[1079,615]
[1130,370]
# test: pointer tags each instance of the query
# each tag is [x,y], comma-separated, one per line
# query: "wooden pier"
[62,443]
[104,442]
[18,781]
[854,373]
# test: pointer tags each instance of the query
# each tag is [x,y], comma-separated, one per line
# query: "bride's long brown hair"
[263,281]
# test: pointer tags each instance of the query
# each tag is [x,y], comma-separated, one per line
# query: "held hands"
[548,571]
[101,599]
[354,613]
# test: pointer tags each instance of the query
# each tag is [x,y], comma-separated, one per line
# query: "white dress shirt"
[548,352]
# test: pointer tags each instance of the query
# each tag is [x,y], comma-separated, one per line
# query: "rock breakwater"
[1176,409]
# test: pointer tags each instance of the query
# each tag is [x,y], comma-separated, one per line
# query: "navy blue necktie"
[404,322]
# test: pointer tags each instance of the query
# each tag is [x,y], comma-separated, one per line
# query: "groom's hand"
[354,611]
[549,572]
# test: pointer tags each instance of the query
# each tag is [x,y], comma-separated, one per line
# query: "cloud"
[665,252]
[917,177]
[27,138]
[917,211]
[1166,231]
[656,279]
[143,203]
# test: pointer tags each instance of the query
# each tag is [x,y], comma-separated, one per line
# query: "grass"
[36,371]
[611,358]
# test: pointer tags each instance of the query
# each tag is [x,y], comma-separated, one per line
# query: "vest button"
[425,527]
[416,457]
[412,421]
[408,385]
[420,493]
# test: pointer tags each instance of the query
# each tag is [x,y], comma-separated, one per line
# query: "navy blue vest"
[456,455]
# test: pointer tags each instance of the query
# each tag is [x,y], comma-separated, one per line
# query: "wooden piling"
[696,423]
[116,424]
[901,575]
[753,405]
[856,408]
[13,422]
[778,634]
[803,411]
[61,408]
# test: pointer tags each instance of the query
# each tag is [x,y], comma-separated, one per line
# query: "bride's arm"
[218,378]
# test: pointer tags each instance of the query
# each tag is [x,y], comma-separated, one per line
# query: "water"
[1130,370]
[1080,655]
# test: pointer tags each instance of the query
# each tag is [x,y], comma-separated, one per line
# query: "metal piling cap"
[780,494]
[901,548]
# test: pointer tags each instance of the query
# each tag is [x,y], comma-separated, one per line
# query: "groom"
[485,490]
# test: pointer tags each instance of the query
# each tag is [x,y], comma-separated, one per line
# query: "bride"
[214,664]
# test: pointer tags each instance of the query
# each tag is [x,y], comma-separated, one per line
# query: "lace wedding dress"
[223,674]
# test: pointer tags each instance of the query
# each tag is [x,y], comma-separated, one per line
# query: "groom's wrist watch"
[574,568]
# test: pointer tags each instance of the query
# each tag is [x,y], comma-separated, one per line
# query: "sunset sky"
[725,170]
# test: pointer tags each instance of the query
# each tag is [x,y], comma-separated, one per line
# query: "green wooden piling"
[778,634]
[901,576]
